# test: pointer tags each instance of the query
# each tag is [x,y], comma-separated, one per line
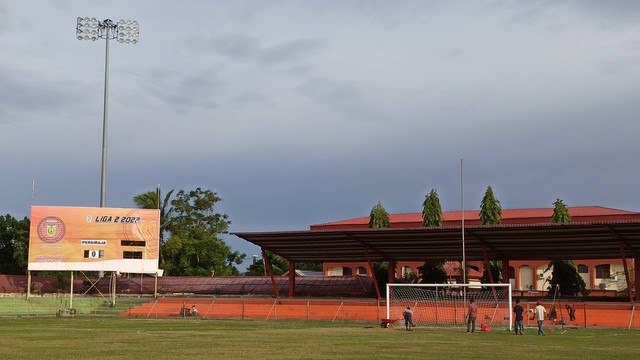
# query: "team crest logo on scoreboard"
[51,229]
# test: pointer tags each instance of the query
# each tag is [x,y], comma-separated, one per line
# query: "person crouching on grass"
[408,318]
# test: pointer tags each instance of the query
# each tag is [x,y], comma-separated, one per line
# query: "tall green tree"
[195,210]
[560,212]
[490,209]
[566,277]
[565,273]
[379,217]
[491,214]
[433,272]
[431,210]
[154,200]
[14,245]
[192,229]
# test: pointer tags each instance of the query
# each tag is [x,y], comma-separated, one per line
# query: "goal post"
[446,305]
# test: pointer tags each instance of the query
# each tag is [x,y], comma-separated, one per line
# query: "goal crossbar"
[446,305]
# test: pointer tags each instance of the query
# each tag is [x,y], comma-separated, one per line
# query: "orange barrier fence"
[264,308]
[587,314]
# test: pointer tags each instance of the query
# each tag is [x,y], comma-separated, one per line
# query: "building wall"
[527,275]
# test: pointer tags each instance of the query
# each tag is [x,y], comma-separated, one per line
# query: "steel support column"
[373,273]
[292,279]
[505,271]
[636,272]
[267,265]
[392,272]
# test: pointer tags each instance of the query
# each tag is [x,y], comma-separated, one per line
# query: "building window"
[512,272]
[583,269]
[603,271]
[132,255]
[361,270]
[346,271]
[131,243]
[407,271]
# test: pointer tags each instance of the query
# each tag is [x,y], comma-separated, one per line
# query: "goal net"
[446,305]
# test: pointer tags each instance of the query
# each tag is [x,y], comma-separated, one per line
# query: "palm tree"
[153,200]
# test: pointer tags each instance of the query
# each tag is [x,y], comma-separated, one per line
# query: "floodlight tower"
[124,31]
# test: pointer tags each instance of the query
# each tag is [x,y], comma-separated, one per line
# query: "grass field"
[122,338]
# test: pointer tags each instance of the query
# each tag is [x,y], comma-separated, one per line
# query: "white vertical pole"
[71,293]
[33,191]
[388,309]
[510,307]
[464,252]
[105,122]
[113,289]
[28,284]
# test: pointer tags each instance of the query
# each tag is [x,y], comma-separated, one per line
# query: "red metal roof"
[543,241]
[472,217]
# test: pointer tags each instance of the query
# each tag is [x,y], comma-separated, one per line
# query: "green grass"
[95,305]
[157,339]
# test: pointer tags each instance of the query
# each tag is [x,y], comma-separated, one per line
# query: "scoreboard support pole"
[28,284]
[71,292]
[113,288]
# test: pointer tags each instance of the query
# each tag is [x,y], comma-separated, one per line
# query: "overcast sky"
[304,112]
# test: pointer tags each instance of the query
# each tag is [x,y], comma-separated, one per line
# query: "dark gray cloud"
[307,112]
[344,98]
[250,48]
[23,94]
[182,91]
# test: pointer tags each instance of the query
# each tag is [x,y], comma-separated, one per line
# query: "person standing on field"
[408,318]
[572,311]
[539,313]
[518,310]
[471,316]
